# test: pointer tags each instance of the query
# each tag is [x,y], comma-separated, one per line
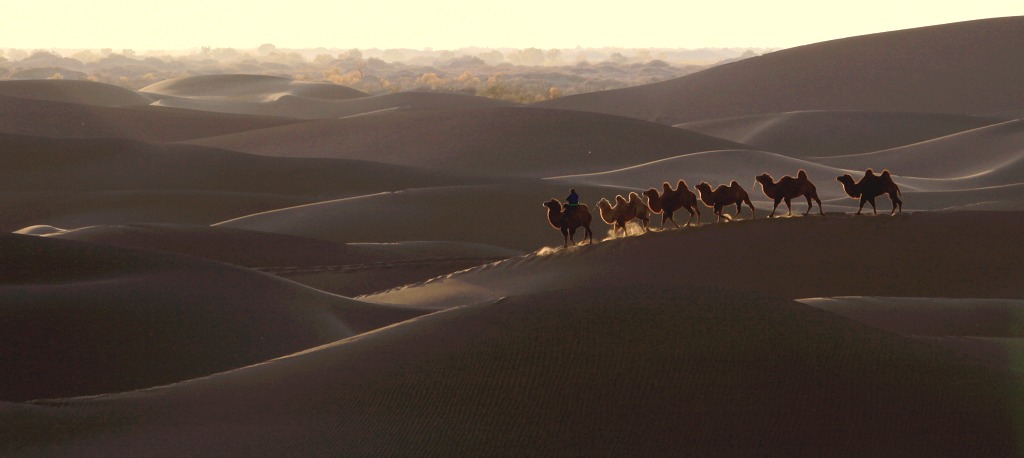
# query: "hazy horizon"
[188,24]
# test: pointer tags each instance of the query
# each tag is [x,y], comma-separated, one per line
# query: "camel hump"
[801,174]
[734,184]
[885,174]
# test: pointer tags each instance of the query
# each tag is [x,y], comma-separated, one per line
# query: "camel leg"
[739,207]
[873,208]
[718,211]
[696,208]
[672,217]
[572,235]
[565,235]
[789,206]
[691,216]
[777,200]
[863,200]
[816,199]
[896,202]
[589,234]
[752,214]
[663,217]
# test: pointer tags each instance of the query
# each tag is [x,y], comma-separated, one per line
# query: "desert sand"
[240,265]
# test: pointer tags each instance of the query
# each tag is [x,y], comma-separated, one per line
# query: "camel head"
[553,204]
[849,185]
[603,203]
[764,178]
[651,193]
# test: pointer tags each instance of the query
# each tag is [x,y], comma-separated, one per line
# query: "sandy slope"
[716,167]
[298,107]
[1001,183]
[961,68]
[804,134]
[991,155]
[345,269]
[522,141]
[275,96]
[73,91]
[81,318]
[989,329]
[586,370]
[921,254]
[248,88]
[80,182]
[505,215]
[46,118]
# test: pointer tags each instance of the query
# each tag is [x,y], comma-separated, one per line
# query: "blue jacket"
[573,199]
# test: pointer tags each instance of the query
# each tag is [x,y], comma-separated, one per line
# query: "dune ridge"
[60,119]
[73,91]
[991,152]
[810,134]
[960,68]
[510,140]
[925,254]
[142,327]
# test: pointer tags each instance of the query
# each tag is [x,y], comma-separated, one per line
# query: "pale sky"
[449,24]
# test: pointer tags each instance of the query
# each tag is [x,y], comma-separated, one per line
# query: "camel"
[624,212]
[789,188]
[724,195]
[671,200]
[872,186]
[580,217]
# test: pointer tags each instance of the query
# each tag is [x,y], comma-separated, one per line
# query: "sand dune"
[991,155]
[521,141]
[988,329]
[39,175]
[715,167]
[962,68]
[722,167]
[81,318]
[311,108]
[274,96]
[74,91]
[504,215]
[805,134]
[926,316]
[248,88]
[922,254]
[346,269]
[40,229]
[587,370]
[82,208]
[45,118]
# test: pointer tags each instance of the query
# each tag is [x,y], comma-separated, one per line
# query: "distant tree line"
[519,75]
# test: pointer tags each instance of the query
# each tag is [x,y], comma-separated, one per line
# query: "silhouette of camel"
[872,186]
[671,200]
[724,195]
[624,212]
[580,217]
[789,188]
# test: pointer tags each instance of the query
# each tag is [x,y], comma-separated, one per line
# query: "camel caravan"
[572,215]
